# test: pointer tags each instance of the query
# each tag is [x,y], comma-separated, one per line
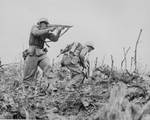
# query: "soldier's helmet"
[45,20]
[90,44]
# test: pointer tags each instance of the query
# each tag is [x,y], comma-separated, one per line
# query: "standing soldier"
[36,54]
[75,59]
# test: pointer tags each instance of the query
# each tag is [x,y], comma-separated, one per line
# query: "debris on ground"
[105,95]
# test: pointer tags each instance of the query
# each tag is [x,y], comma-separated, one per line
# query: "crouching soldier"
[74,59]
[36,54]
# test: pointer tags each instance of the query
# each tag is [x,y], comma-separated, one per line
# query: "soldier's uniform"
[75,61]
[36,54]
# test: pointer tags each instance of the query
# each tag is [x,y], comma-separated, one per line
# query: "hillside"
[108,94]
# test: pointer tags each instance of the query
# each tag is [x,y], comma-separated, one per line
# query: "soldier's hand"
[51,29]
[63,28]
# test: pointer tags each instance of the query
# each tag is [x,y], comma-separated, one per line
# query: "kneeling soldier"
[75,60]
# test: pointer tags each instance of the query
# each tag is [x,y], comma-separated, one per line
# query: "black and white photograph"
[74,59]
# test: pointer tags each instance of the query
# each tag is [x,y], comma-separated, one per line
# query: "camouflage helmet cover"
[90,44]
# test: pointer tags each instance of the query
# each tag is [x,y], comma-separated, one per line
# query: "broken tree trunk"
[125,58]
[135,52]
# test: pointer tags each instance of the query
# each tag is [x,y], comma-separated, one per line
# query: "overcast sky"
[110,24]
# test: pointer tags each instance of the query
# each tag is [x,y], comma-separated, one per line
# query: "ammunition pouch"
[34,51]
[25,53]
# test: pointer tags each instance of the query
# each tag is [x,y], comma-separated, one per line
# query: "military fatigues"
[74,60]
[36,53]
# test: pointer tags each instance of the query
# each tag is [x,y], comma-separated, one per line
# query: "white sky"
[110,24]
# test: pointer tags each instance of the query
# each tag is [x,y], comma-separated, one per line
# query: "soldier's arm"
[83,53]
[52,37]
[37,32]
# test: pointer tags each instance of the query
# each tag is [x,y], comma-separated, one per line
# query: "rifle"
[62,52]
[57,26]
[68,48]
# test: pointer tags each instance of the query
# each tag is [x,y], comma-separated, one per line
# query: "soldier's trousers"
[77,80]
[31,66]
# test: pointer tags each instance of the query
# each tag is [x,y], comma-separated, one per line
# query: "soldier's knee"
[47,71]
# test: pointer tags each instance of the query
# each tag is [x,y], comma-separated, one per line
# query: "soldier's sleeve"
[37,32]
[83,53]
[52,37]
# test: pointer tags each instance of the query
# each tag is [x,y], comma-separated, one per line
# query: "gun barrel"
[55,25]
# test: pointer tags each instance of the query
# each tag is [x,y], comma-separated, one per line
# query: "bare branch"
[103,60]
[135,52]
[125,57]
[112,63]
[95,63]
[132,60]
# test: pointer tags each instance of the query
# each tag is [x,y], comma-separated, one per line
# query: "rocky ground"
[108,94]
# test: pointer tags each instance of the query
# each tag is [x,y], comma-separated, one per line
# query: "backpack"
[71,57]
